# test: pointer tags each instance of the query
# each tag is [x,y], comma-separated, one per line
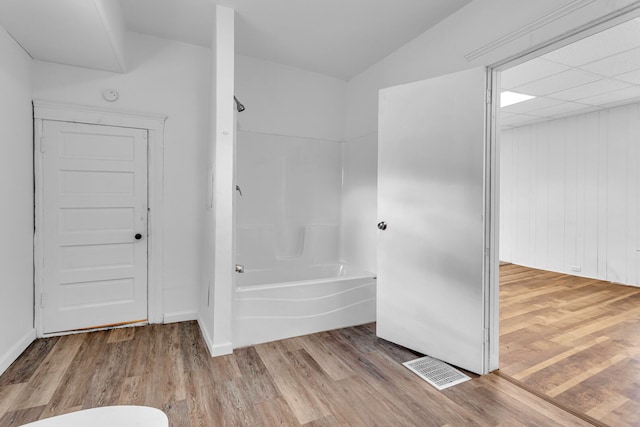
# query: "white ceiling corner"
[86,33]
[332,37]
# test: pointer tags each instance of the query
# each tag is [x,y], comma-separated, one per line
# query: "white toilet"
[108,416]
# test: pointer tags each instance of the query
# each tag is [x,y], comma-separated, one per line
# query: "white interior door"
[94,233]
[431,197]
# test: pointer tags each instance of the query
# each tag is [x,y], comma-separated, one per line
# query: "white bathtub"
[282,303]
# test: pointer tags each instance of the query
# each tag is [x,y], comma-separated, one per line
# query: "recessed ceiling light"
[510,98]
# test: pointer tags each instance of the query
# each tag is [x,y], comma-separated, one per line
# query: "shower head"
[239,105]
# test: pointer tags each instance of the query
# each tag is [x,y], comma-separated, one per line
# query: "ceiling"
[333,37]
[598,72]
[87,33]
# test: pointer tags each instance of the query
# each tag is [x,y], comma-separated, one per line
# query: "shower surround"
[288,221]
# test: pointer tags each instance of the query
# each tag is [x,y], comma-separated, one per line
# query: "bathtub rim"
[276,285]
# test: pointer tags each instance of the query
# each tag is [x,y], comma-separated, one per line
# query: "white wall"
[487,31]
[172,79]
[284,100]
[358,237]
[16,209]
[570,193]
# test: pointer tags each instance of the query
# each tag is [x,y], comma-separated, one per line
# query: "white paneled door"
[431,207]
[94,237]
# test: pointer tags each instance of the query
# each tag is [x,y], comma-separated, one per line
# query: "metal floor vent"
[436,372]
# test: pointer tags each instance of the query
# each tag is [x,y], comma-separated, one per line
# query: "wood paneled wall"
[570,195]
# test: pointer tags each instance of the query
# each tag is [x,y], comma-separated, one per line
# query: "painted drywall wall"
[172,79]
[570,195]
[284,100]
[482,33]
[16,210]
[358,234]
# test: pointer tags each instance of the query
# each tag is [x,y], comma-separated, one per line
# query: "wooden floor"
[575,340]
[346,377]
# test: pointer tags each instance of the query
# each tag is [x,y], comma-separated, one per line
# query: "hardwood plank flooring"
[576,340]
[346,377]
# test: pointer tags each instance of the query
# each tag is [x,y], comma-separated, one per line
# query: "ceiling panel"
[613,97]
[531,105]
[631,77]
[519,120]
[529,71]
[616,64]
[601,71]
[557,82]
[590,89]
[88,33]
[334,37]
[565,107]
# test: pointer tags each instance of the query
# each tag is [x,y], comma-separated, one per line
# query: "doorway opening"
[570,220]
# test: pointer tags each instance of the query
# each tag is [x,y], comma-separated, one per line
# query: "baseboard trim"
[222,349]
[214,349]
[205,335]
[14,352]
[180,316]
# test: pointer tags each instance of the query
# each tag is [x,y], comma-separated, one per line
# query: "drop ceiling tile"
[530,122]
[626,94]
[590,89]
[616,64]
[564,108]
[531,105]
[557,82]
[625,101]
[631,77]
[518,119]
[575,112]
[530,71]
[606,43]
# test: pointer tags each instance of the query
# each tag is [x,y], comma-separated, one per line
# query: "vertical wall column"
[215,312]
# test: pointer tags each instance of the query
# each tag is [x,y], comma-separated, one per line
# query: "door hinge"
[489,100]
[485,335]
[42,144]
[42,299]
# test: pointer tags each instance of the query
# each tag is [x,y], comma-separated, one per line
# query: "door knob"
[138,236]
[382,225]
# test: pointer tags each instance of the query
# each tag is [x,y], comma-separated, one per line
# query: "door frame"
[492,153]
[154,125]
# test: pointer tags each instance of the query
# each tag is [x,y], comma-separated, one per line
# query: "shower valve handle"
[382,225]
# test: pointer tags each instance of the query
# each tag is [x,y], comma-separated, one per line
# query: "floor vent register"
[436,372]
